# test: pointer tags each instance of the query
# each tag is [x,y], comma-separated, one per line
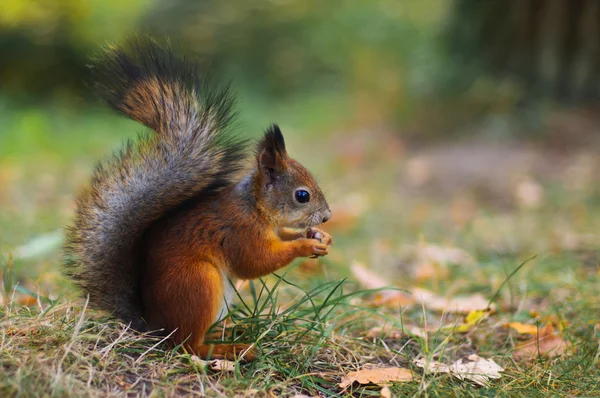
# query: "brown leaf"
[376,376]
[545,343]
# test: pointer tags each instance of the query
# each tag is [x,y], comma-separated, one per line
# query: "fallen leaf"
[523,328]
[196,359]
[222,365]
[368,278]
[460,304]
[376,376]
[548,346]
[472,319]
[215,364]
[388,332]
[477,369]
[476,316]
[545,343]
[385,392]
[474,368]
[371,280]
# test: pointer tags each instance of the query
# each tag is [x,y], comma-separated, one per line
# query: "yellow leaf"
[523,328]
[475,316]
[471,320]
[376,376]
[464,328]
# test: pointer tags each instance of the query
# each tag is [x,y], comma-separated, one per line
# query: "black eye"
[302,196]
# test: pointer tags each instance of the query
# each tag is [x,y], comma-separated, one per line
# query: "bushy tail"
[189,155]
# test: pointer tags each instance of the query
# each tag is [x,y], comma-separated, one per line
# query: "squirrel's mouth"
[311,221]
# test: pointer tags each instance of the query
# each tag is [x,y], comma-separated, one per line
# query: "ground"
[513,224]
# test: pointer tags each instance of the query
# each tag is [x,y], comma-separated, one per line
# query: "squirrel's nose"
[326,215]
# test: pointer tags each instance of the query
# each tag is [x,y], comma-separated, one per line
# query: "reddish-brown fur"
[166,223]
[188,252]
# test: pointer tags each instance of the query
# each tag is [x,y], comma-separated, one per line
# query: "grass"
[310,322]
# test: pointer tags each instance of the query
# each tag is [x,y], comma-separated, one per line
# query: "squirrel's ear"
[271,154]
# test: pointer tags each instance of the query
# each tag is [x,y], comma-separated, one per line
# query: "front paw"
[313,248]
[321,236]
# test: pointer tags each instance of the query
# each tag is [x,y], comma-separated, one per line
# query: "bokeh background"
[455,123]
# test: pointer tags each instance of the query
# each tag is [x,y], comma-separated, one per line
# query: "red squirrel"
[167,224]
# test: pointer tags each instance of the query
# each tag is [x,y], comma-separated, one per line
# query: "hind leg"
[219,286]
[189,302]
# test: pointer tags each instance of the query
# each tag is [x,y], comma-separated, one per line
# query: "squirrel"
[170,222]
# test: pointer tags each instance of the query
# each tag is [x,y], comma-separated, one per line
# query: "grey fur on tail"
[191,153]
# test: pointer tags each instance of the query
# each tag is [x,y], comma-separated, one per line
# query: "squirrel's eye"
[302,196]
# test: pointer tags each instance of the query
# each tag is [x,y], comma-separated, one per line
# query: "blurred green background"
[421,117]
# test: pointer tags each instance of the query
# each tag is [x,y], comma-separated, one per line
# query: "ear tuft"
[273,134]
[271,149]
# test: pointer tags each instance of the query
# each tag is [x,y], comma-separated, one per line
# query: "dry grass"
[311,326]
